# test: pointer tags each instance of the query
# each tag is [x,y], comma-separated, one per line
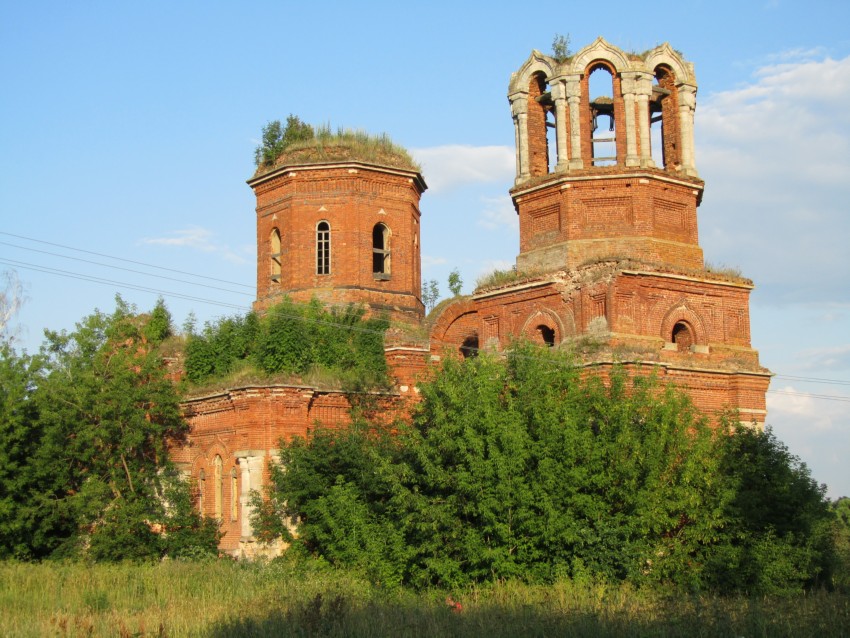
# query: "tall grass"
[222,598]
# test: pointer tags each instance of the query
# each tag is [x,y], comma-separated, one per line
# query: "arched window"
[234,495]
[683,337]
[202,489]
[274,250]
[218,486]
[547,334]
[664,119]
[380,250]
[539,134]
[603,127]
[323,248]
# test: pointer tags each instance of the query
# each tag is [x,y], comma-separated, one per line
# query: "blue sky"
[128,129]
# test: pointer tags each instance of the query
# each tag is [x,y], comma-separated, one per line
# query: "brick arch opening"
[683,336]
[380,250]
[274,256]
[544,327]
[683,323]
[602,106]
[540,108]
[665,130]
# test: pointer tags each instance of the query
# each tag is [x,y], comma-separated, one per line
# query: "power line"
[811,379]
[100,280]
[93,279]
[138,272]
[131,261]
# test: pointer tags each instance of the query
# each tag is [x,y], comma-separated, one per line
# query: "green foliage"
[498,278]
[301,143]
[158,327]
[98,412]
[455,282]
[430,293]
[276,138]
[561,47]
[295,339]
[524,469]
[221,346]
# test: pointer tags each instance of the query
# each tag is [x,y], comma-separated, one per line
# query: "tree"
[524,468]
[430,293]
[277,138]
[455,282]
[11,298]
[561,47]
[93,474]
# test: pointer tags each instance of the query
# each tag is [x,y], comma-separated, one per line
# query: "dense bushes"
[522,468]
[84,430]
[291,338]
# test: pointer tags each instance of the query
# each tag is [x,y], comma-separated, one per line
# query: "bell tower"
[341,229]
[608,175]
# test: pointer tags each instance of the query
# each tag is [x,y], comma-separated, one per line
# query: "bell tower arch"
[606,195]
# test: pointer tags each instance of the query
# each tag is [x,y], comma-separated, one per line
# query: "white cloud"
[498,213]
[454,165]
[199,238]
[428,261]
[775,154]
[816,430]
[827,359]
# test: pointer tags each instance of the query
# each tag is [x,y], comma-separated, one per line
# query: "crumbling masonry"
[609,264]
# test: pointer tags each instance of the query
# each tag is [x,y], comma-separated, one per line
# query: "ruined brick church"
[606,192]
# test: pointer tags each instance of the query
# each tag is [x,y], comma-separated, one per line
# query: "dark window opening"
[469,347]
[683,337]
[323,249]
[547,334]
[381,251]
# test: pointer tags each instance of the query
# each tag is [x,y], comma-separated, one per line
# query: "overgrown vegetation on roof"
[299,143]
[291,342]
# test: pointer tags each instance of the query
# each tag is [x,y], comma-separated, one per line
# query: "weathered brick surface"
[610,254]
[352,198]
[566,221]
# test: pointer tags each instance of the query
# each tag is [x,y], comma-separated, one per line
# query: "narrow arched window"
[380,250]
[218,486]
[323,248]
[202,489]
[682,337]
[603,127]
[234,495]
[274,254]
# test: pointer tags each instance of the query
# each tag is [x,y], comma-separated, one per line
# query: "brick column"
[687,106]
[628,83]
[559,94]
[643,91]
[519,110]
[573,89]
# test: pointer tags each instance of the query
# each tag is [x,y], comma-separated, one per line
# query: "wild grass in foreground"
[221,598]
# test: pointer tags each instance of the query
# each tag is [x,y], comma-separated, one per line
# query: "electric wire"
[121,284]
[138,272]
[124,259]
[94,279]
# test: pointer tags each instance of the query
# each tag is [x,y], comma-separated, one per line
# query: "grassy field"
[222,598]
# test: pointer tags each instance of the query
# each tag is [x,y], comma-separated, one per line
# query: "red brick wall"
[612,212]
[352,198]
